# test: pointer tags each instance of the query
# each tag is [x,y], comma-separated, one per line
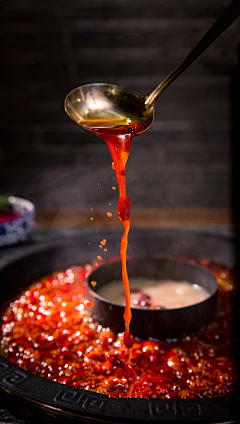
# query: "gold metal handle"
[229,15]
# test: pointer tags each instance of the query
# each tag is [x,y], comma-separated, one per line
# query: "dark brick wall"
[50,47]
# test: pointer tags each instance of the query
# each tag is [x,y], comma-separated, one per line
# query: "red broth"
[48,330]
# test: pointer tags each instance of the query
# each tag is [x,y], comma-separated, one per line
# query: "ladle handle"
[224,20]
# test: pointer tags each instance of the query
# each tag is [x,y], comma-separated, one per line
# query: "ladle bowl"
[100,105]
[103,105]
[155,323]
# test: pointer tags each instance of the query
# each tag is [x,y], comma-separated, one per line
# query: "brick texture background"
[51,47]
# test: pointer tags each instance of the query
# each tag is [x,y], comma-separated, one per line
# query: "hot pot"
[18,269]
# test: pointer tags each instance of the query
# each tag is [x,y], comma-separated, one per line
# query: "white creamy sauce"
[168,294]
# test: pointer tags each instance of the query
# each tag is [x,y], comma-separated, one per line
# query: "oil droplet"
[109,214]
[109,204]
[93,283]
[114,188]
[89,303]
[99,257]
[105,249]
[103,242]
[91,218]
[91,209]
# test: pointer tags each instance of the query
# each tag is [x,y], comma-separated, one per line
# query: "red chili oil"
[118,137]
[7,216]
[48,330]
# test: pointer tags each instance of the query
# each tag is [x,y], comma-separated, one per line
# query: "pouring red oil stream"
[118,137]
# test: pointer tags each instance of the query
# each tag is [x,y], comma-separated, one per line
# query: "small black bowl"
[154,323]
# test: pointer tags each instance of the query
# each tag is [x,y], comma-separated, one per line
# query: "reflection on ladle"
[107,105]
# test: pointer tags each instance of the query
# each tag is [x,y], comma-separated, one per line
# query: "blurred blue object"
[18,229]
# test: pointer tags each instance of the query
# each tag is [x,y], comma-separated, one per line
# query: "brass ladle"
[100,105]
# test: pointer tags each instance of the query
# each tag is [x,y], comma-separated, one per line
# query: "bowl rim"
[163,257]
[28,204]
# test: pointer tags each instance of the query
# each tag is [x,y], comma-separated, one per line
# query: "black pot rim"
[73,402]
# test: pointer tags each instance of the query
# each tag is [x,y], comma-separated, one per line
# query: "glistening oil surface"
[48,331]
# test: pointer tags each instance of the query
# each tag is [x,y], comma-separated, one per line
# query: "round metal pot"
[18,269]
